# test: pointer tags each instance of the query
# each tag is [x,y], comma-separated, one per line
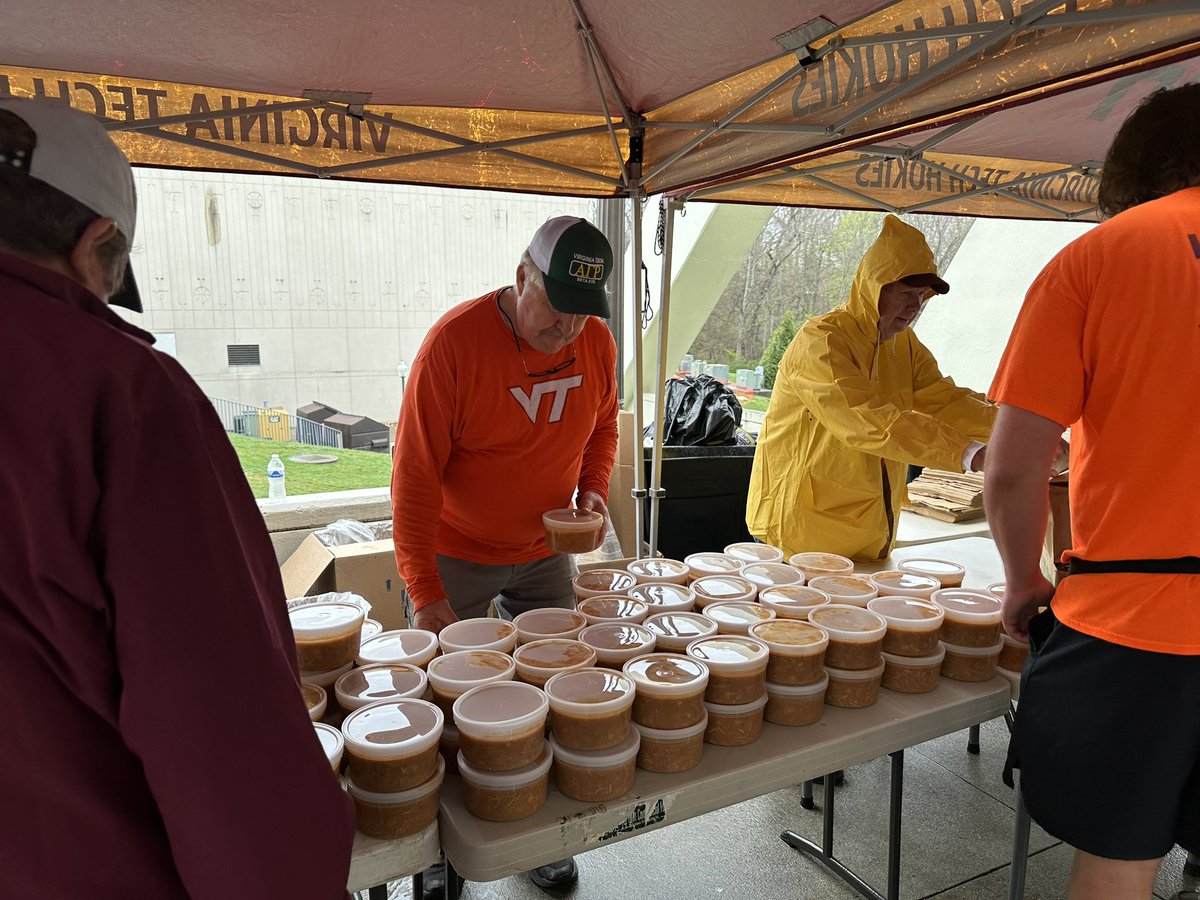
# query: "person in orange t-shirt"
[510,410]
[1108,343]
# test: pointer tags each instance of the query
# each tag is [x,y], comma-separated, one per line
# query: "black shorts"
[1108,742]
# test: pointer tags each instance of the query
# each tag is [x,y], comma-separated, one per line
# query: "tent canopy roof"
[963,106]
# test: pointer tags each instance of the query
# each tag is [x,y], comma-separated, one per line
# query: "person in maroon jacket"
[154,742]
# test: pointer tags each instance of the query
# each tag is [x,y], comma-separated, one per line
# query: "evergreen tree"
[780,338]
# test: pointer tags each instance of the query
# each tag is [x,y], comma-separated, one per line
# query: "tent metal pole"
[588,52]
[638,491]
[740,126]
[986,187]
[863,198]
[783,175]
[664,306]
[236,151]
[187,118]
[590,39]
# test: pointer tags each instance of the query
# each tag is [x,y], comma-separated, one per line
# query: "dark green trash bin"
[705,505]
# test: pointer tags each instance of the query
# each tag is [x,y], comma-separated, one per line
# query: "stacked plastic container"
[595,748]
[668,710]
[853,657]
[737,687]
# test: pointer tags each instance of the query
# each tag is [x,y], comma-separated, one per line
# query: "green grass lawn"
[757,403]
[354,468]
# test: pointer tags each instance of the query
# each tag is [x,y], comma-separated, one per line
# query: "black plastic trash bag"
[699,410]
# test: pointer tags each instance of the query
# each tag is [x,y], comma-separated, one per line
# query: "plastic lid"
[371,628]
[972,607]
[410,645]
[974,651]
[393,728]
[549,621]
[996,589]
[769,574]
[792,600]
[797,691]
[917,662]
[674,631]
[737,616]
[821,563]
[617,636]
[604,581]
[325,679]
[466,668]
[753,551]
[572,519]
[664,596]
[554,653]
[314,695]
[790,637]
[646,569]
[511,779]
[382,681]
[588,693]
[855,674]
[323,620]
[700,564]
[723,587]
[672,734]
[908,613]
[905,583]
[938,569]
[737,709]
[849,624]
[331,740]
[667,674]
[400,797]
[726,654]
[844,587]
[478,634]
[620,755]
[613,606]
[502,708]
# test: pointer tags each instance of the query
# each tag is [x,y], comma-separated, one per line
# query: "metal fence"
[257,422]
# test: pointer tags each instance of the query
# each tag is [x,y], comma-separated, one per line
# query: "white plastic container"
[327,635]
[501,726]
[414,646]
[478,634]
[383,681]
[737,617]
[1013,656]
[771,574]
[509,795]
[664,597]
[814,565]
[315,700]
[737,667]
[894,583]
[797,651]
[722,589]
[539,661]
[616,643]
[735,726]
[851,589]
[948,574]
[796,704]
[753,551]
[590,709]
[912,674]
[914,626]
[401,814]
[658,571]
[596,776]
[971,663]
[325,680]
[702,564]
[674,631]
[855,635]
[392,745]
[793,601]
[573,530]
[601,581]
[972,617]
[996,589]
[671,750]
[549,622]
[452,675]
[612,608]
[670,690]
[332,743]
[371,628]
[853,689]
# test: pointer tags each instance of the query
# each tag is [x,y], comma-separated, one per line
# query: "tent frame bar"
[789,172]
[589,38]
[236,151]
[589,52]
[739,126]
[657,492]
[213,115]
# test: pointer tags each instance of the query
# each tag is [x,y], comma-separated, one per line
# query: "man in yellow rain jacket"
[856,399]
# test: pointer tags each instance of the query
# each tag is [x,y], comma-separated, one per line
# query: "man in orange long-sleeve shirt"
[511,408]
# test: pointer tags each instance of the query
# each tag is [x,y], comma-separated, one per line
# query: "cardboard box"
[627,441]
[620,508]
[367,569]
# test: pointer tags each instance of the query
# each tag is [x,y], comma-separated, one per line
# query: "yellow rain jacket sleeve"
[848,414]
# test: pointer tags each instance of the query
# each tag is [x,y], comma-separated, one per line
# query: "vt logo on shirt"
[532,401]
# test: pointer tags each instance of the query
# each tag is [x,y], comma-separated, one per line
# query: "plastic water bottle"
[276,488]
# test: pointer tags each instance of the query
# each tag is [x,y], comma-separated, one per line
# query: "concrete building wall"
[335,282]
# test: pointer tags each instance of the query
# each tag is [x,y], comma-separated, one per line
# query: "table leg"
[1192,866]
[453,882]
[973,740]
[806,796]
[418,886]
[379,892]
[1020,852]
[895,810]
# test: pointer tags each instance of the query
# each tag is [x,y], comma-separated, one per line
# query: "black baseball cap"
[575,259]
[927,280]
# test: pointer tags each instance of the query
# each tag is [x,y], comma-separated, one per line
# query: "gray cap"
[72,152]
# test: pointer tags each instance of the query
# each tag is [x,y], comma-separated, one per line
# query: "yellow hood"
[899,251]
